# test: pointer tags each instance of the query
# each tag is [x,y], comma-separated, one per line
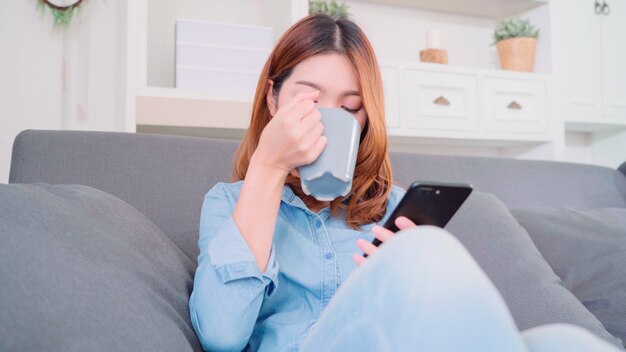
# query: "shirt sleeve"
[229,287]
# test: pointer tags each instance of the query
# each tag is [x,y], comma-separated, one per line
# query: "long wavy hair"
[315,35]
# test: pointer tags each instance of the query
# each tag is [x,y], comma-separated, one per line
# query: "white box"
[224,34]
[220,57]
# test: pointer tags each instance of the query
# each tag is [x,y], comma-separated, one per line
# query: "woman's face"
[331,74]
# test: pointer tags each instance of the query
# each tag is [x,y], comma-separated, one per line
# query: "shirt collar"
[289,197]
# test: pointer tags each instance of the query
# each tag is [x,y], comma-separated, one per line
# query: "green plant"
[514,27]
[62,14]
[331,8]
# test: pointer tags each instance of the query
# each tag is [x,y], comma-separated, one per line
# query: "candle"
[433,39]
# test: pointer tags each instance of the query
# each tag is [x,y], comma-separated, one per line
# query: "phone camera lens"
[425,190]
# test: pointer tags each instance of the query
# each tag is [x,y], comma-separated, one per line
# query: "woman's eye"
[352,111]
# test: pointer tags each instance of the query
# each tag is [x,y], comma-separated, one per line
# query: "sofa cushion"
[587,249]
[532,291]
[81,270]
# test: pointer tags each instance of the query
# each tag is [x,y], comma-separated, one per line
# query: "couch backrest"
[520,183]
[166,177]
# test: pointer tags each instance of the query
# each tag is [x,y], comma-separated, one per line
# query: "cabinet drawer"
[390,89]
[514,106]
[441,101]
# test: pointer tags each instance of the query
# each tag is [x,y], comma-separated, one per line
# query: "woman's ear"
[270,98]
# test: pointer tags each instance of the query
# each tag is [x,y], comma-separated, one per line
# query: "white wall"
[31,83]
[94,55]
[398,32]
[72,78]
[609,148]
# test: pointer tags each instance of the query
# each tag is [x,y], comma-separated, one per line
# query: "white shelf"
[397,140]
[481,8]
[175,107]
[595,126]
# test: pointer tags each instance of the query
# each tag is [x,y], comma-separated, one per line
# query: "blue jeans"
[423,291]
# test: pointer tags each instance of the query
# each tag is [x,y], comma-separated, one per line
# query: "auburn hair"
[322,34]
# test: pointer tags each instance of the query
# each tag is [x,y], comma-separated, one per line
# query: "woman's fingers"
[301,104]
[312,135]
[358,259]
[314,152]
[365,246]
[404,223]
[310,121]
[382,233]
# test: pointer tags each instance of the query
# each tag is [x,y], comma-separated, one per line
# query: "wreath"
[62,10]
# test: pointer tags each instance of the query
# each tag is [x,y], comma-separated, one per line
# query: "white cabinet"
[463,105]
[614,60]
[390,89]
[581,85]
[590,50]
[517,106]
[440,101]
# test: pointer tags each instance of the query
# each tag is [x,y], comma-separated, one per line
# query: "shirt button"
[328,255]
[318,224]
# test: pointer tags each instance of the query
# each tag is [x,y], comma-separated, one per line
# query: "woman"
[272,259]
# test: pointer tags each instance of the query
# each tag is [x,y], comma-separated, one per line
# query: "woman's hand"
[383,235]
[294,136]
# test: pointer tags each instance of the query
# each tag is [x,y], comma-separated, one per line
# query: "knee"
[431,257]
[427,252]
[420,243]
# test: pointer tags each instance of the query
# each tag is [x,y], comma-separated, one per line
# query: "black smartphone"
[428,203]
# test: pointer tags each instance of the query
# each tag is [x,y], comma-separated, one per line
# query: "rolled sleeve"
[228,288]
[232,259]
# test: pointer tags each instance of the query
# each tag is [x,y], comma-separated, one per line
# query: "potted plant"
[332,8]
[517,41]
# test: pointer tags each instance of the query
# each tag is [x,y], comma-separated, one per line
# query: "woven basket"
[517,54]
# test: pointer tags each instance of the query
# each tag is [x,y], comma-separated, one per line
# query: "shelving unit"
[589,56]
[481,8]
[153,102]
[164,109]
[465,106]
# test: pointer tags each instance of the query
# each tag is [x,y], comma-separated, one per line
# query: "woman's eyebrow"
[316,86]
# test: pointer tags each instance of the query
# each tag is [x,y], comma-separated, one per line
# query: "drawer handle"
[441,101]
[514,106]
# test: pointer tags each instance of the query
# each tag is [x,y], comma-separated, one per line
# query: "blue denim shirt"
[234,306]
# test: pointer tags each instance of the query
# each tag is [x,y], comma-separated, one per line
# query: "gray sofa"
[162,180]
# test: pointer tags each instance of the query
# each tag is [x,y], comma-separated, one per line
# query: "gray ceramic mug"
[330,176]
